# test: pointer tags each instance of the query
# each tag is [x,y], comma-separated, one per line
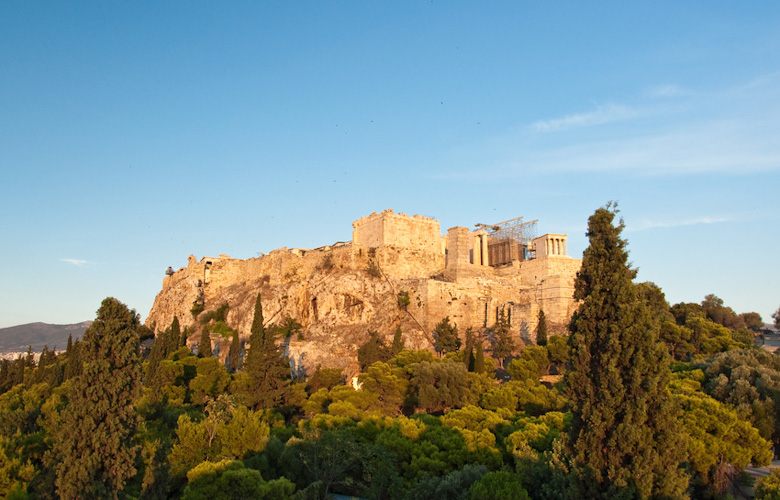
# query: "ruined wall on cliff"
[338,294]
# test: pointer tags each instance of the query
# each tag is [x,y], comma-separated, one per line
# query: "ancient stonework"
[340,292]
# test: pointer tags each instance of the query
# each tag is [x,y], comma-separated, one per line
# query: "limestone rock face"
[329,292]
[338,294]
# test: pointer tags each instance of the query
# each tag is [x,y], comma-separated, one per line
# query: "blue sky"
[135,133]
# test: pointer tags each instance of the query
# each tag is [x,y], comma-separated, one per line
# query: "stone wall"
[332,294]
[399,230]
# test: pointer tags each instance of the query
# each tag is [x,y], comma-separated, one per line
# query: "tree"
[468,351]
[479,358]
[776,316]
[541,329]
[503,343]
[768,488]
[204,346]
[445,337]
[267,367]
[752,320]
[373,350]
[623,434]
[234,353]
[93,443]
[398,341]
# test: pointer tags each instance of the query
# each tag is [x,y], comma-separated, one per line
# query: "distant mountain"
[37,335]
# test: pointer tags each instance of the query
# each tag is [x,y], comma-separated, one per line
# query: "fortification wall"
[399,230]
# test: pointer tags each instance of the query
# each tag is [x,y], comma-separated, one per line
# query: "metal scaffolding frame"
[510,240]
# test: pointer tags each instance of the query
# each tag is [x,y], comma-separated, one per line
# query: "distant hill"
[37,335]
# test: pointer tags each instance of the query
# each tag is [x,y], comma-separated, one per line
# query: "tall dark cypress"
[623,434]
[235,352]
[541,329]
[93,446]
[268,369]
[204,346]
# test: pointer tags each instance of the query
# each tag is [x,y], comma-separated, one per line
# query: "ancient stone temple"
[337,293]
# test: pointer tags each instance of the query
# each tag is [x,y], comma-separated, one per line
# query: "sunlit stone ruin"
[337,293]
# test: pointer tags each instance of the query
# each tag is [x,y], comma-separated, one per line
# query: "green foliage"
[541,329]
[324,378]
[440,386]
[373,350]
[776,317]
[501,485]
[235,352]
[748,380]
[501,340]
[403,299]
[445,337]
[716,434]
[229,480]
[479,359]
[398,341]
[718,313]
[204,346]
[531,365]
[768,488]
[93,442]
[536,435]
[220,328]
[623,433]
[227,431]
[752,321]
[217,315]
[198,305]
[267,368]
[373,269]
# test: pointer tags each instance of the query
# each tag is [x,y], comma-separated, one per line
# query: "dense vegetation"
[655,401]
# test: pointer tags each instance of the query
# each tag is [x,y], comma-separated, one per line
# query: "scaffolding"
[510,240]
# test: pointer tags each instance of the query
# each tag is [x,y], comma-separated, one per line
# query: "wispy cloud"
[644,226]
[599,116]
[76,262]
[731,131]
[667,91]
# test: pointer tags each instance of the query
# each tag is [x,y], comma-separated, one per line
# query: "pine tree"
[541,329]
[93,447]
[204,347]
[623,436]
[268,369]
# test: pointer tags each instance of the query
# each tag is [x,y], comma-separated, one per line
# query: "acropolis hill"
[340,292]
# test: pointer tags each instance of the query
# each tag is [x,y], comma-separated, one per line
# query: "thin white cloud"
[599,116]
[678,223]
[76,262]
[667,91]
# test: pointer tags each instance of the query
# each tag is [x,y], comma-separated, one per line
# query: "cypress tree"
[74,363]
[468,351]
[398,341]
[267,367]
[235,348]
[479,358]
[204,347]
[93,447]
[623,435]
[541,329]
[445,337]
[174,340]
